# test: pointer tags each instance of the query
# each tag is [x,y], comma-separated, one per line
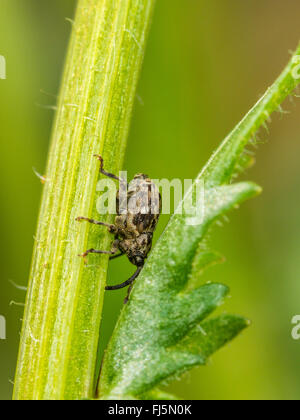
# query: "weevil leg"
[109,175]
[116,256]
[95,251]
[128,294]
[127,282]
[94,222]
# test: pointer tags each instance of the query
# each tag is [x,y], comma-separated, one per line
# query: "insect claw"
[83,255]
[99,157]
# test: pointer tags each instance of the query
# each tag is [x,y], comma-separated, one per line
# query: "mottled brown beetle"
[134,228]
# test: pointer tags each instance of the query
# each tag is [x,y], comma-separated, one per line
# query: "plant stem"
[63,309]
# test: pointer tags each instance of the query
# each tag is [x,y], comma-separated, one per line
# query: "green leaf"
[201,342]
[211,335]
[162,310]
[161,332]
[245,162]
[223,163]
[203,259]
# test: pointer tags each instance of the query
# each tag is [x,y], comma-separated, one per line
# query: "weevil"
[134,228]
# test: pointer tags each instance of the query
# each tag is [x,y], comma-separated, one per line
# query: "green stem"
[60,333]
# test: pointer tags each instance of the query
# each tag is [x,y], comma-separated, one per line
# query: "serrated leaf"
[200,343]
[245,161]
[162,310]
[161,331]
[203,259]
[211,335]
[173,255]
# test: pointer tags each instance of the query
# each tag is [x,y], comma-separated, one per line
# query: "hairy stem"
[63,309]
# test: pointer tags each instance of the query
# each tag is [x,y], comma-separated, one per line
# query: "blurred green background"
[207,63]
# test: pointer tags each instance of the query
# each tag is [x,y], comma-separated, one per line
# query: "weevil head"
[138,260]
[137,249]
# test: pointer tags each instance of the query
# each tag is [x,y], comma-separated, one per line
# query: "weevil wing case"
[143,196]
